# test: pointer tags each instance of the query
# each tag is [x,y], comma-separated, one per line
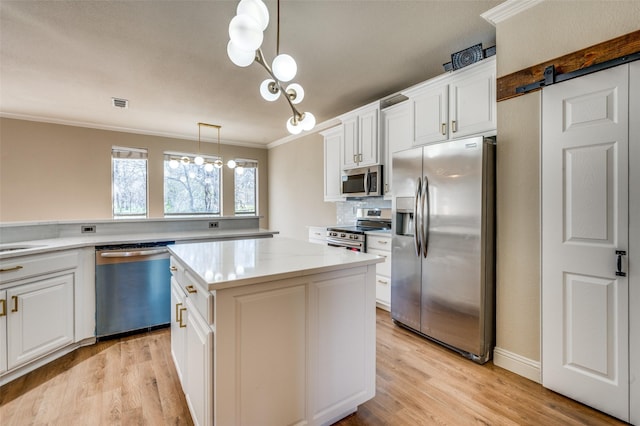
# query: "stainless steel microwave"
[362,182]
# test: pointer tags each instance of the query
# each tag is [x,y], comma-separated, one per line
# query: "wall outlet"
[214,225]
[86,229]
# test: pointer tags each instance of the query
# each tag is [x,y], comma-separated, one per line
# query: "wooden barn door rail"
[603,55]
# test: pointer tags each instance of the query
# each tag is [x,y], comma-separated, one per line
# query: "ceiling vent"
[120,103]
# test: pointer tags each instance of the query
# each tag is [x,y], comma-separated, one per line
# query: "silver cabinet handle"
[444,129]
[619,254]
[454,127]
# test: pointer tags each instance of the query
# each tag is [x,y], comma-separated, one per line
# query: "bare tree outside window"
[245,183]
[129,182]
[190,188]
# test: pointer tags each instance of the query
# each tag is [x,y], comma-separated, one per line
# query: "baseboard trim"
[518,364]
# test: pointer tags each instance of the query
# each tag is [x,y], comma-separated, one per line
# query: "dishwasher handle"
[133,253]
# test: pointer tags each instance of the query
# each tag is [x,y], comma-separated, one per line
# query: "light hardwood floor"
[132,381]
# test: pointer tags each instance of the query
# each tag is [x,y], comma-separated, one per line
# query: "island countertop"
[222,264]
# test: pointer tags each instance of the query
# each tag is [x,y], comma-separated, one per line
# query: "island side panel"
[284,349]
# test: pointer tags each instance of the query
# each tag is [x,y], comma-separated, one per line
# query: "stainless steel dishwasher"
[133,288]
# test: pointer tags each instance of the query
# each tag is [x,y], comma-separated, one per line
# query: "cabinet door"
[178,328]
[3,331]
[40,318]
[472,101]
[430,114]
[396,137]
[199,375]
[332,164]
[350,143]
[368,137]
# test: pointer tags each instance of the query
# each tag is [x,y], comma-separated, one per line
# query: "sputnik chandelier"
[246,36]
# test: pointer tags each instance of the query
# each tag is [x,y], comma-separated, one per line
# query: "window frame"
[246,163]
[120,152]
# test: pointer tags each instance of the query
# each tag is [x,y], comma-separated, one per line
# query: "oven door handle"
[340,243]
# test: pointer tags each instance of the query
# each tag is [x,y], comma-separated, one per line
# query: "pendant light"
[199,160]
[246,36]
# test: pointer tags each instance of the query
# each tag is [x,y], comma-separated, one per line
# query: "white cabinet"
[192,341]
[454,105]
[380,245]
[332,163]
[396,136]
[318,235]
[3,331]
[178,328]
[36,308]
[198,380]
[360,145]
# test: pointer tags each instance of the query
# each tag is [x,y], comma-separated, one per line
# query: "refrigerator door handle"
[417,219]
[425,216]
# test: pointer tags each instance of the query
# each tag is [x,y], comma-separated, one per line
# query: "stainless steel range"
[354,237]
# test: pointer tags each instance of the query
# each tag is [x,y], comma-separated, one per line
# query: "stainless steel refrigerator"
[443,259]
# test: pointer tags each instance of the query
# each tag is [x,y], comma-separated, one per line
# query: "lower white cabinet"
[199,378]
[37,315]
[40,318]
[3,331]
[381,245]
[178,328]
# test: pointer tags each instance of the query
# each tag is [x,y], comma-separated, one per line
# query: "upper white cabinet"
[396,136]
[454,105]
[332,163]
[360,145]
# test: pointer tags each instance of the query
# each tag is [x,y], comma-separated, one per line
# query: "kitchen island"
[273,331]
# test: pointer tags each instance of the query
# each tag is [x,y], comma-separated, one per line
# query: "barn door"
[585,232]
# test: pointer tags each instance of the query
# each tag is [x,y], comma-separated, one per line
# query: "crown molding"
[507,10]
[97,126]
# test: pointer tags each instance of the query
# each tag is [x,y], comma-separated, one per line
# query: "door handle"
[444,129]
[3,305]
[15,303]
[417,217]
[619,254]
[425,216]
[180,322]
[454,127]
[178,313]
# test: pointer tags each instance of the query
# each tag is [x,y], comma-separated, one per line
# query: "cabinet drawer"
[378,243]
[383,289]
[382,268]
[18,268]
[201,298]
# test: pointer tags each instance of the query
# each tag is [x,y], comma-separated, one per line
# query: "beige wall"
[296,188]
[56,172]
[546,31]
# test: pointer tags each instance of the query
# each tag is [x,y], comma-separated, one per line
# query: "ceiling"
[63,61]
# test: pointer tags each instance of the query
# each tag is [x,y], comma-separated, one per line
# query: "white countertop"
[222,264]
[65,243]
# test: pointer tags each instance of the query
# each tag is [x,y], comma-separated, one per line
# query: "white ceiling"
[63,61]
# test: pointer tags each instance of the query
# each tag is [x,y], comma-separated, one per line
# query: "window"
[190,189]
[129,182]
[245,183]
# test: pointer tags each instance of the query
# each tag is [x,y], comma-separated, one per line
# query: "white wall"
[296,191]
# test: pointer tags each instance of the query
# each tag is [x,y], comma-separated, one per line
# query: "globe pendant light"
[246,36]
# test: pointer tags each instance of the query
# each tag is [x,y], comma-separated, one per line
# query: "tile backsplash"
[346,210]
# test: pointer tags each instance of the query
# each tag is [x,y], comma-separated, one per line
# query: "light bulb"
[293,128]
[245,33]
[198,160]
[208,167]
[185,160]
[308,121]
[239,170]
[295,93]
[218,163]
[242,58]
[231,164]
[257,10]
[269,90]
[173,163]
[284,67]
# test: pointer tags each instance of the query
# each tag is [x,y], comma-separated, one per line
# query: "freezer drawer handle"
[619,254]
[132,253]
